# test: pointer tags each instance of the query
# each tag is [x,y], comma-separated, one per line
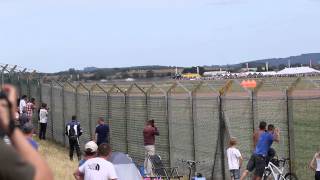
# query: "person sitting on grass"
[234,159]
[98,168]
[90,151]
[28,130]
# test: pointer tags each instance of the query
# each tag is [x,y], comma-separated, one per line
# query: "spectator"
[99,167]
[257,133]
[74,131]
[43,115]
[102,132]
[258,159]
[21,160]
[256,136]
[31,105]
[316,161]
[27,130]
[23,118]
[234,159]
[149,133]
[23,103]
[90,151]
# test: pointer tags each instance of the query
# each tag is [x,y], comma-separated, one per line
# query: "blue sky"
[54,35]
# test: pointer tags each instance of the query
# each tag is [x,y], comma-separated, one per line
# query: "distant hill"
[156,71]
[294,60]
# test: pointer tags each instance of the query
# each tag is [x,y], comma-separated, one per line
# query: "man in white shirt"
[23,103]
[98,168]
[43,116]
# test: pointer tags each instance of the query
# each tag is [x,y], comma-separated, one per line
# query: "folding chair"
[163,172]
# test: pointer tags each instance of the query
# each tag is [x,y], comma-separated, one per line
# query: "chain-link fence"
[195,119]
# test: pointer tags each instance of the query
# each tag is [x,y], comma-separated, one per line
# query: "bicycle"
[192,168]
[276,168]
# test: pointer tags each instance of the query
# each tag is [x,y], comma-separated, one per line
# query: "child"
[315,165]
[234,159]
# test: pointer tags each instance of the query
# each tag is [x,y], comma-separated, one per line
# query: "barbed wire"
[15,68]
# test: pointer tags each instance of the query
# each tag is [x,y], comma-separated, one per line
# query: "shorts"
[235,174]
[317,175]
[257,163]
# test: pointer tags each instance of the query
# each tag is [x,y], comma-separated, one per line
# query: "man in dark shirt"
[102,132]
[149,133]
[74,131]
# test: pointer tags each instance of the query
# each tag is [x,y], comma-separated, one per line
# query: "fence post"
[126,119]
[222,136]
[63,116]
[52,107]
[290,130]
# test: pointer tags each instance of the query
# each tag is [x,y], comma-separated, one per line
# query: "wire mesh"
[136,118]
[206,117]
[69,106]
[118,125]
[82,106]
[181,130]
[57,114]
[157,110]
[99,108]
[190,125]
[306,130]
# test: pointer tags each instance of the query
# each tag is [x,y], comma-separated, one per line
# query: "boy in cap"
[90,151]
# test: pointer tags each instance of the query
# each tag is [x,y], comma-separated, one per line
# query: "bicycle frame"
[276,172]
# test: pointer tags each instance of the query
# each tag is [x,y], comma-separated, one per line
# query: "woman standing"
[315,165]
[43,115]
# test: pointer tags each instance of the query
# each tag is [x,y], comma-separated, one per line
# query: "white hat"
[92,146]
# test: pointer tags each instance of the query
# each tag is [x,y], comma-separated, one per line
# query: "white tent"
[125,168]
[298,70]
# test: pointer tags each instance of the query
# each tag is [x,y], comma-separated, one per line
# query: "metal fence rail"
[195,119]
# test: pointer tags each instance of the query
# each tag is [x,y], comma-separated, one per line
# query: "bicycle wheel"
[266,174]
[291,176]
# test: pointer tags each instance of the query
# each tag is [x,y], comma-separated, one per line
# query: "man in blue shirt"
[102,132]
[258,159]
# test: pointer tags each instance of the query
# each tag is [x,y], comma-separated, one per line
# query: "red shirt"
[149,134]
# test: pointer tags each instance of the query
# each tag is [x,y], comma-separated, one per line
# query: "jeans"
[43,129]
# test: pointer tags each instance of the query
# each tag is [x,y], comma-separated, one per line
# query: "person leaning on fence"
[23,103]
[149,133]
[19,161]
[30,107]
[316,161]
[98,167]
[234,159]
[258,159]
[102,132]
[74,131]
[43,120]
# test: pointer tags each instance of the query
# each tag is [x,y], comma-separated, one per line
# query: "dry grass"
[58,159]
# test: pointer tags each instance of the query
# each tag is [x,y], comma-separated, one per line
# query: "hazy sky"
[53,35]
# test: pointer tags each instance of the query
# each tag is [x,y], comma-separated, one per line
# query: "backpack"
[72,132]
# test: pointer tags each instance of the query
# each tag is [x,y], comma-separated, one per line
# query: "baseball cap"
[91,146]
